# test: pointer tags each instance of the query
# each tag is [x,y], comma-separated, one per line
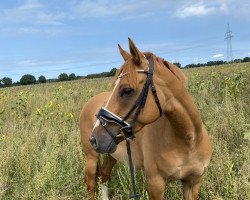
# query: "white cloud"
[130,9]
[240,9]
[37,13]
[101,8]
[31,12]
[27,63]
[137,16]
[220,55]
[249,53]
[31,30]
[180,8]
[192,8]
[198,59]
[201,8]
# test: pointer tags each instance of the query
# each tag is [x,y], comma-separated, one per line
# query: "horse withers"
[171,140]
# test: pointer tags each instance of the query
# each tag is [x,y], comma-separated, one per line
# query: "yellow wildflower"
[2,137]
[5,98]
[213,74]
[38,111]
[70,116]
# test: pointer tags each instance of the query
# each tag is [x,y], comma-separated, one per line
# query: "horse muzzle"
[102,143]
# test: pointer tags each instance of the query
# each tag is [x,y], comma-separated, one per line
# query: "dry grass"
[40,149]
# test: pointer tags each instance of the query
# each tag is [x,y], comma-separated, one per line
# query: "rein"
[105,116]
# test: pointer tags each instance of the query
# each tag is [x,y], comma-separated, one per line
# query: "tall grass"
[41,154]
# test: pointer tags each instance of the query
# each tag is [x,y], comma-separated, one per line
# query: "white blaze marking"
[116,83]
[105,192]
[98,121]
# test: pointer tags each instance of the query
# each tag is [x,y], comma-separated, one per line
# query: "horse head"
[141,88]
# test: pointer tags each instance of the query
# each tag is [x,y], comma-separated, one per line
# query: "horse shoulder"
[175,159]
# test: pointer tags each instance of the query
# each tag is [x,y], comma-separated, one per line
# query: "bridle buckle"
[128,132]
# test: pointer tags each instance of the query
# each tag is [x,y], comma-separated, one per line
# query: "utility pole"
[228,37]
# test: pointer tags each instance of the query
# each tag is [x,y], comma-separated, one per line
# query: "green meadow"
[41,154]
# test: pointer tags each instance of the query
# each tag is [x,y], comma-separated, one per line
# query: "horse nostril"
[93,142]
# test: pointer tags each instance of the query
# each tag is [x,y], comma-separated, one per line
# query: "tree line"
[30,79]
[218,62]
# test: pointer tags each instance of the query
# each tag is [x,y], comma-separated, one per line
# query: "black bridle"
[105,116]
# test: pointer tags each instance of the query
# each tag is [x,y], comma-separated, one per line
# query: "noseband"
[104,115]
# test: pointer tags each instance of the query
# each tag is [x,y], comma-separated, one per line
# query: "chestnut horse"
[174,145]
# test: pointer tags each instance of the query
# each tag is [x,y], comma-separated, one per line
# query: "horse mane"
[131,76]
[176,71]
[173,68]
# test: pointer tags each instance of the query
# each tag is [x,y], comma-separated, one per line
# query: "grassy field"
[41,153]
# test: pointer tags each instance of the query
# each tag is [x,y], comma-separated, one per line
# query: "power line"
[161,52]
[228,37]
[70,68]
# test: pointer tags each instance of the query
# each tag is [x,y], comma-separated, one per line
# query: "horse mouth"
[110,148]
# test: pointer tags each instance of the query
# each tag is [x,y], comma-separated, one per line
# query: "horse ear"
[124,53]
[135,53]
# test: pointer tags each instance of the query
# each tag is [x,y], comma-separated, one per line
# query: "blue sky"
[48,37]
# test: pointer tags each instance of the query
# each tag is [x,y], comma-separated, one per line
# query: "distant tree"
[16,83]
[42,79]
[177,64]
[78,77]
[190,65]
[246,59]
[52,80]
[112,72]
[27,79]
[6,81]
[237,60]
[63,77]
[209,63]
[72,76]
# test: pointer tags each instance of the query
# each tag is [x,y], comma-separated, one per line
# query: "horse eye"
[127,92]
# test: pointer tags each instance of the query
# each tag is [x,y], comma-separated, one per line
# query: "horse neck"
[181,111]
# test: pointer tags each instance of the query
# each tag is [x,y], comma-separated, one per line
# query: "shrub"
[63,77]
[72,76]
[246,59]
[42,79]
[177,64]
[27,79]
[6,81]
